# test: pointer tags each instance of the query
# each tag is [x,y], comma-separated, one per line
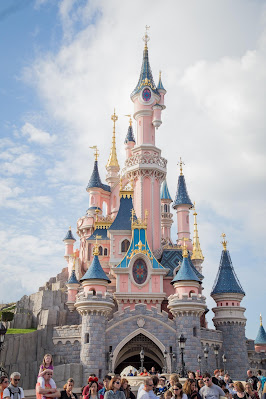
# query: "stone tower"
[94,304]
[229,315]
[187,305]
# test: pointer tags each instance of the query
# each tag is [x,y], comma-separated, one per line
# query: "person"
[240,391]
[13,391]
[47,390]
[200,384]
[221,376]
[144,392]
[106,381]
[47,364]
[227,394]
[153,371]
[125,387]
[3,384]
[210,390]
[197,375]
[261,378]
[173,379]
[144,373]
[113,391]
[161,387]
[216,379]
[67,390]
[251,393]
[91,390]
[190,389]
[259,388]
[167,395]
[252,379]
[191,375]
[130,374]
[178,392]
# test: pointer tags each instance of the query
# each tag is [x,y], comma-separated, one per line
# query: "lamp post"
[164,370]
[3,331]
[173,360]
[182,344]
[141,354]
[224,362]
[111,362]
[199,361]
[216,352]
[206,354]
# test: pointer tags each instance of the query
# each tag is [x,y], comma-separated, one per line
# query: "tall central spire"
[197,252]
[112,161]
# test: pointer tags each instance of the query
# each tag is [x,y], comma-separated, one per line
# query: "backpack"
[11,393]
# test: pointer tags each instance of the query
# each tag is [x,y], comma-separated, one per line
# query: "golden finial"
[133,213]
[121,186]
[96,152]
[146,37]
[96,246]
[112,161]
[181,163]
[69,228]
[184,248]
[224,242]
[196,253]
[160,75]
[130,120]
[260,320]
[132,183]
[97,215]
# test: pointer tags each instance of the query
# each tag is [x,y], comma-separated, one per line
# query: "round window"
[146,94]
[140,271]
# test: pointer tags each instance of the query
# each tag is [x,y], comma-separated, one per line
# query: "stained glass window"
[140,271]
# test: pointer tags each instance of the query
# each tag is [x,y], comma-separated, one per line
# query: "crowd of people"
[155,386]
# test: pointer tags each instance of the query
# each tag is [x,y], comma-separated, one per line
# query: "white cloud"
[35,135]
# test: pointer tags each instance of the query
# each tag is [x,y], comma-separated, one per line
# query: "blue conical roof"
[182,196]
[73,278]
[69,236]
[95,271]
[226,280]
[185,273]
[146,78]
[165,192]
[123,217]
[261,337]
[95,180]
[130,135]
[160,84]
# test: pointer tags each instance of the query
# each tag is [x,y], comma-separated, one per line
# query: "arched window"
[100,250]
[105,252]
[194,331]
[93,291]
[92,200]
[191,292]
[125,245]
[165,208]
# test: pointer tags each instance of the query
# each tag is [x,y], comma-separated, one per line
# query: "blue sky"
[66,64]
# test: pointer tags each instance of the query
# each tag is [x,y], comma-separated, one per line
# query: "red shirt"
[39,395]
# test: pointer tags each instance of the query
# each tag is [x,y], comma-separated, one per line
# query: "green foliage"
[7,315]
[20,330]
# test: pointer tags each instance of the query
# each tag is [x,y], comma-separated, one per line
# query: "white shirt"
[143,395]
[7,393]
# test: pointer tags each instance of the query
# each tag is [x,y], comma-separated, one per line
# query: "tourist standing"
[252,379]
[114,389]
[178,392]
[91,391]
[251,393]
[3,385]
[13,391]
[210,390]
[125,387]
[47,391]
[144,392]
[106,382]
[240,391]
[67,391]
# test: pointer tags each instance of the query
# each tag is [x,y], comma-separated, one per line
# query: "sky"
[65,65]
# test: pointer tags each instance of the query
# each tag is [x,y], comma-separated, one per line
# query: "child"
[47,363]
[167,395]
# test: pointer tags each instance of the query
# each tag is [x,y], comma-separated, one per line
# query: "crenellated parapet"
[187,304]
[94,304]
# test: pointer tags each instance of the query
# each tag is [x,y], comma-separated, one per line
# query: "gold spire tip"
[184,248]
[69,228]
[146,37]
[112,161]
[130,120]
[260,320]
[96,246]
[96,152]
[181,163]
[160,75]
[224,242]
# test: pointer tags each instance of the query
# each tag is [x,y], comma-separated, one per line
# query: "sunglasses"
[16,379]
[176,389]
[5,382]
[150,385]
[207,379]
[118,382]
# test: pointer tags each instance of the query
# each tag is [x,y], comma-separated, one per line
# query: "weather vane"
[223,235]
[96,152]
[130,120]
[181,163]
[146,37]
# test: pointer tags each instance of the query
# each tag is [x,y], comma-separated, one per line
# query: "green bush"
[7,316]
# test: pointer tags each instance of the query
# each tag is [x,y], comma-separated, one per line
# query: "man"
[261,378]
[144,392]
[252,379]
[216,379]
[221,376]
[153,371]
[106,380]
[48,391]
[13,391]
[210,390]
[130,374]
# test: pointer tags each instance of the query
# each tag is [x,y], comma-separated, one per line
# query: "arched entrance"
[129,354]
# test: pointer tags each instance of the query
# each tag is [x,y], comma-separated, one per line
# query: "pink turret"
[69,241]
[129,140]
[182,204]
[146,166]
[167,216]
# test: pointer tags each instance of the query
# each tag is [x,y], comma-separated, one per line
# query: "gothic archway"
[129,354]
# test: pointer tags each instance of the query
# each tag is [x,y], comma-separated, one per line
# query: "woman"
[178,392]
[251,393]
[67,391]
[173,379]
[125,387]
[161,387]
[200,384]
[114,389]
[190,389]
[91,390]
[3,385]
[240,391]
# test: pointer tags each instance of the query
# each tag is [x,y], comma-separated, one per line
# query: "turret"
[72,290]
[69,241]
[229,315]
[187,305]
[260,341]
[166,215]
[112,166]
[182,204]
[197,256]
[129,140]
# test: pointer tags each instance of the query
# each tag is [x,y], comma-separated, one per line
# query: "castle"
[129,287]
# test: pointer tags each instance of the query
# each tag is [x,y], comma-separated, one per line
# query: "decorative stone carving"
[141,322]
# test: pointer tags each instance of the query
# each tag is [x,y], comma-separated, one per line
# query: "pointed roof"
[146,78]
[130,135]
[95,271]
[197,252]
[165,192]
[261,336]
[182,196]
[124,215]
[73,278]
[95,180]
[113,161]
[226,279]
[69,235]
[186,272]
[172,257]
[160,84]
